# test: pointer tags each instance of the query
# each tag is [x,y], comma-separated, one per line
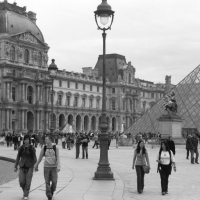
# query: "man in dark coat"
[191,148]
[187,147]
[195,145]
[171,145]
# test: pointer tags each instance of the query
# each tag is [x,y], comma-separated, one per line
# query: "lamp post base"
[103,173]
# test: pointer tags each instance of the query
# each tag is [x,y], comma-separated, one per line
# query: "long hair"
[138,148]
[166,146]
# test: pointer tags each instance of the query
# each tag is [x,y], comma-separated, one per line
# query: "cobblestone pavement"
[183,184]
[6,172]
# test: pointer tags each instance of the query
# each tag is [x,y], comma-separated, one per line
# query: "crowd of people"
[27,162]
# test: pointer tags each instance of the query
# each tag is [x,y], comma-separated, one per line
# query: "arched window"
[12,53]
[26,56]
[30,95]
[39,59]
[129,78]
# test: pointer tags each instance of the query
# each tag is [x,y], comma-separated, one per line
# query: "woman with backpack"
[26,159]
[165,161]
[140,159]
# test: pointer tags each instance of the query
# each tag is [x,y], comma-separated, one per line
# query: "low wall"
[125,142]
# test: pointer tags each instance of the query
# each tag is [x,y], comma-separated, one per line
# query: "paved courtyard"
[76,178]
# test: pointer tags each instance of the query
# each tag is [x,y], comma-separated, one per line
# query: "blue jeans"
[50,175]
[140,177]
[25,178]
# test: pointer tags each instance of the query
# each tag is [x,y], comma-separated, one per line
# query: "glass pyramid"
[187,94]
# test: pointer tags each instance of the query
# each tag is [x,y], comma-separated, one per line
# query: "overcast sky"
[159,37]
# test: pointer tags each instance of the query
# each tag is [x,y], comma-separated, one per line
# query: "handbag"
[146,169]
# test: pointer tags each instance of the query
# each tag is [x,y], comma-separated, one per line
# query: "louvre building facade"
[25,86]
[188,99]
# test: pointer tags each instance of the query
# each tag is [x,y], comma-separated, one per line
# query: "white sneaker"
[25,198]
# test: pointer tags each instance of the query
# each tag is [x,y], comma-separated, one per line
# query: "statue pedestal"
[171,125]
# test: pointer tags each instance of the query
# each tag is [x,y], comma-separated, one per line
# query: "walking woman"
[140,159]
[165,161]
[26,158]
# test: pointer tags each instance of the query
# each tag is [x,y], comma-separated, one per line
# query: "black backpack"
[54,148]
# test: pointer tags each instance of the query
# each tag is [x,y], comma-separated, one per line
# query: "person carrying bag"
[166,161]
[139,162]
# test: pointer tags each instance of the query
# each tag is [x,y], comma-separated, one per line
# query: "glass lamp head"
[53,69]
[104,11]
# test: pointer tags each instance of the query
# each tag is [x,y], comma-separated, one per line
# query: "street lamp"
[104,18]
[52,73]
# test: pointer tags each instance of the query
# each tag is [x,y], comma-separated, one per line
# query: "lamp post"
[104,18]
[52,73]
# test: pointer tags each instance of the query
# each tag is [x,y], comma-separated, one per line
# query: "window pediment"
[60,93]
[68,94]
[76,94]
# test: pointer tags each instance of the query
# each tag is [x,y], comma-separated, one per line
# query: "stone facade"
[25,87]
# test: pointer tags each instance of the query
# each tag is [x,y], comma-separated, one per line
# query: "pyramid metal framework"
[187,94]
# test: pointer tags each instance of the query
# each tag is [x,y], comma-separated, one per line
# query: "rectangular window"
[97,103]
[113,104]
[76,85]
[68,101]
[97,88]
[83,86]
[60,83]
[14,72]
[143,94]
[124,105]
[13,94]
[68,84]
[60,100]
[91,102]
[123,90]
[76,102]
[152,95]
[83,104]
[90,87]
[113,90]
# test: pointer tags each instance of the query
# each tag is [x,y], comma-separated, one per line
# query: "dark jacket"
[172,146]
[195,142]
[8,138]
[85,141]
[189,143]
[26,157]
[15,139]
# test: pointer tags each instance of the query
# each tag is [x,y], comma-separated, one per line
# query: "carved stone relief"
[28,37]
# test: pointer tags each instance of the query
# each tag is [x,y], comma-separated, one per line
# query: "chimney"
[32,16]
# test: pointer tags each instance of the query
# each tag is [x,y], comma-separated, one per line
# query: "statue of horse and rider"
[170,104]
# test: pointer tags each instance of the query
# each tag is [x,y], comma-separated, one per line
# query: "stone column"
[25,92]
[25,119]
[40,120]
[97,124]
[22,119]
[1,129]
[116,123]
[74,125]
[8,90]
[10,119]
[19,120]
[7,119]
[90,123]
[110,124]
[4,90]
[37,120]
